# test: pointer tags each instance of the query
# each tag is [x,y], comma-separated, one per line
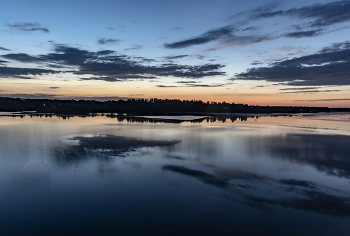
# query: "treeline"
[143,106]
[140,119]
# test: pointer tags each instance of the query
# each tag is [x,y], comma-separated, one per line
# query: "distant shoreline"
[154,106]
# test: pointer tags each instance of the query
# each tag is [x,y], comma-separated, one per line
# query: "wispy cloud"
[4,49]
[329,66]
[175,57]
[134,47]
[176,28]
[241,32]
[107,41]
[28,27]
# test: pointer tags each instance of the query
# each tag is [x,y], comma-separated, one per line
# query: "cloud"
[254,63]
[206,85]
[33,96]
[54,87]
[13,71]
[134,47]
[176,28]
[225,36]
[166,86]
[107,41]
[119,78]
[314,91]
[186,82]
[321,15]
[303,34]
[256,12]
[4,49]
[329,66]
[193,85]
[303,88]
[175,57]
[28,27]
[107,65]
[326,100]
[3,62]
[207,37]
[22,57]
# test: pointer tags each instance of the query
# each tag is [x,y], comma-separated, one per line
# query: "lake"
[107,175]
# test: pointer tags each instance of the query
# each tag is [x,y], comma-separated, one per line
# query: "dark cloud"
[176,28]
[22,57]
[104,52]
[175,57]
[106,41]
[192,85]
[119,78]
[256,12]
[207,37]
[321,15]
[54,87]
[3,62]
[303,88]
[294,182]
[103,78]
[224,35]
[304,34]
[34,95]
[134,47]
[254,63]
[206,85]
[166,86]
[330,66]
[28,27]
[4,49]
[12,71]
[251,28]
[107,65]
[314,91]
[187,82]
[326,100]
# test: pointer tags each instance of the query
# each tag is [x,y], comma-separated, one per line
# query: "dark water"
[103,176]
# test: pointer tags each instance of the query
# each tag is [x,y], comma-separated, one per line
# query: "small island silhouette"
[147,107]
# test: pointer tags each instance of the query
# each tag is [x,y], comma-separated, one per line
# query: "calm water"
[104,176]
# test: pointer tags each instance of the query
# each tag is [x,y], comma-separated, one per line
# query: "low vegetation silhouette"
[147,106]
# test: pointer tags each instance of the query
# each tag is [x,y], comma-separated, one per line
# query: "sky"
[294,53]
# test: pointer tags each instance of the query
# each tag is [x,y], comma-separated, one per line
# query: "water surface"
[198,176]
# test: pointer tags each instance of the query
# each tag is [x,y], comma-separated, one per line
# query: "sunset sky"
[255,52]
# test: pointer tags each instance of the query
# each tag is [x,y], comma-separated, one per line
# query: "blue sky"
[256,52]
